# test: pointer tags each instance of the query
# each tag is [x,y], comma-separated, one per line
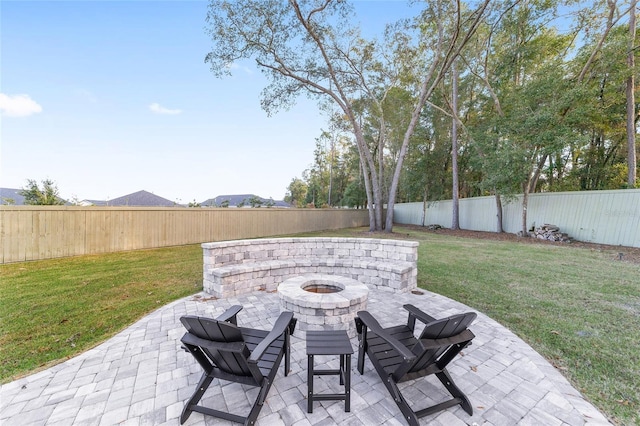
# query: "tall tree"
[449,36]
[631,103]
[313,47]
[599,158]
[296,192]
[455,222]
[526,97]
[45,196]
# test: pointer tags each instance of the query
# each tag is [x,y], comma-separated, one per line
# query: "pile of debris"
[550,233]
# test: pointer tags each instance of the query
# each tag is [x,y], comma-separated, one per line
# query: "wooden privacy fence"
[603,217]
[44,232]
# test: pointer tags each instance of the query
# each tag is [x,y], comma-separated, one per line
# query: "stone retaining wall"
[231,268]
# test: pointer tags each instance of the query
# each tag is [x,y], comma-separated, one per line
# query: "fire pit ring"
[320,309]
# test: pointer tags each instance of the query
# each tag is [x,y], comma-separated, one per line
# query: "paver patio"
[142,377]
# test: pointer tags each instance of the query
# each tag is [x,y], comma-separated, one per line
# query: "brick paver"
[142,377]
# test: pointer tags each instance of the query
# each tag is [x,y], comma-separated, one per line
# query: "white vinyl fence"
[604,217]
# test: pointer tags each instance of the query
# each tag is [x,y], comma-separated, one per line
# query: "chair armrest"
[464,337]
[419,314]
[283,325]
[191,340]
[372,324]
[230,314]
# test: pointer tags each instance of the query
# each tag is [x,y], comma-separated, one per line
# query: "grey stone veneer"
[324,311]
[232,268]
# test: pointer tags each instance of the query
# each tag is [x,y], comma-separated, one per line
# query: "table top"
[328,343]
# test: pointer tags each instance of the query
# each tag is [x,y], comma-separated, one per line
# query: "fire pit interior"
[318,286]
[323,302]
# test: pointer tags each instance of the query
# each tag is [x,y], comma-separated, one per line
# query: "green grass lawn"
[579,308]
[51,310]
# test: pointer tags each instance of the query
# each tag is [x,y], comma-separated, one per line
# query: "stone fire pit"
[323,302]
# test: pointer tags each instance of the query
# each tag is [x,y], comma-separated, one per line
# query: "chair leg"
[259,402]
[287,345]
[203,385]
[361,352]
[362,344]
[287,354]
[403,405]
[454,390]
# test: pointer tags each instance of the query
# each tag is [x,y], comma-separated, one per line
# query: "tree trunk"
[381,173]
[367,190]
[424,206]
[372,188]
[536,173]
[525,202]
[500,229]
[379,207]
[611,21]
[455,220]
[631,105]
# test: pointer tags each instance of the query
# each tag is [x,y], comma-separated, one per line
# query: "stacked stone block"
[232,268]
[329,311]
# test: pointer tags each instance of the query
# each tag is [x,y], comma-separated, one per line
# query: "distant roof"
[93,203]
[241,199]
[10,196]
[140,199]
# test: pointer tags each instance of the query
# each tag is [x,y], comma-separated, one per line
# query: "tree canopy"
[541,102]
[313,47]
[46,196]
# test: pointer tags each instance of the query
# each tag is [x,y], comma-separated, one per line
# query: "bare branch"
[611,22]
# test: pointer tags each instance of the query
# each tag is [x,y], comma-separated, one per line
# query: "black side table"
[329,343]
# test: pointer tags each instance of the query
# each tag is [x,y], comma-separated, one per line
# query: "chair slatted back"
[231,362]
[439,329]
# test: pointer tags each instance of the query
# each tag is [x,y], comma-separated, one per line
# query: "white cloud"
[159,109]
[235,66]
[18,105]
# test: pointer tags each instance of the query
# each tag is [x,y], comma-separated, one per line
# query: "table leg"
[310,383]
[347,384]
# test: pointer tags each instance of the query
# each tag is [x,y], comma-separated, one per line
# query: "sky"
[107,98]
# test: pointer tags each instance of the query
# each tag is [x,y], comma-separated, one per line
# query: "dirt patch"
[628,254]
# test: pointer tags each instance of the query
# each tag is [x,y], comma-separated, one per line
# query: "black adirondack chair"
[398,356]
[237,354]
